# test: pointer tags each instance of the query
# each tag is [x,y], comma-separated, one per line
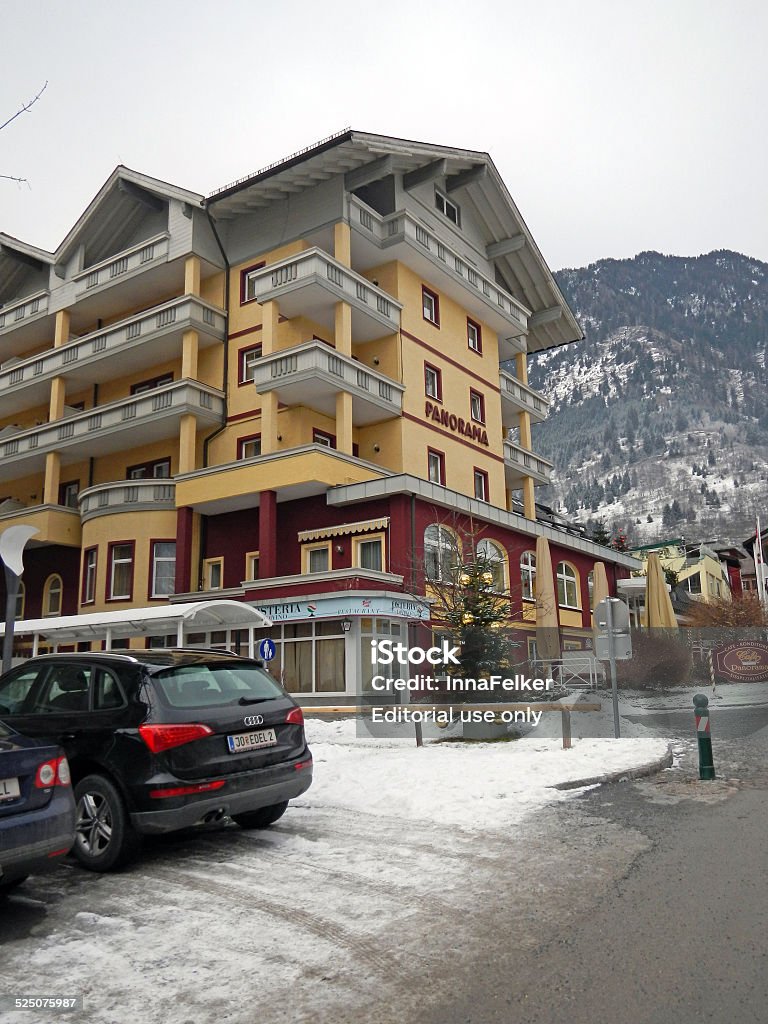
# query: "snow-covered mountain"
[659,423]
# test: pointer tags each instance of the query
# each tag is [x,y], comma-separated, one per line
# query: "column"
[342,243]
[190,344]
[268,423]
[343,328]
[524,422]
[61,331]
[192,275]
[270,314]
[184,524]
[52,478]
[187,443]
[344,422]
[56,405]
[267,534]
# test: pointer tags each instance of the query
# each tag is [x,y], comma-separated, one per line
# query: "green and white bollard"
[704,736]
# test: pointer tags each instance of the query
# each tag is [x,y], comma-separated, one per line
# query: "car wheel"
[7,887]
[104,836]
[263,818]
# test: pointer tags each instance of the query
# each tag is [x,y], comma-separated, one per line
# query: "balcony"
[124,265]
[294,473]
[144,340]
[130,422]
[519,463]
[28,321]
[517,397]
[423,250]
[311,284]
[127,496]
[313,374]
[56,524]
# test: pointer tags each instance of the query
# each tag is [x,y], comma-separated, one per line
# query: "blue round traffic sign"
[267,649]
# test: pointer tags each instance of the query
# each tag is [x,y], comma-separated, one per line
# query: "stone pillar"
[267,534]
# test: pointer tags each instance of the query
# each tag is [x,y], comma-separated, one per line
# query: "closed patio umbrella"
[659,613]
[547,627]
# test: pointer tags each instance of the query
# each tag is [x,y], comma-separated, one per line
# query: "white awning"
[197,616]
[346,528]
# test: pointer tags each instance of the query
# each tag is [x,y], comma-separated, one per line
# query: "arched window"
[52,594]
[528,575]
[441,552]
[494,555]
[567,586]
[20,596]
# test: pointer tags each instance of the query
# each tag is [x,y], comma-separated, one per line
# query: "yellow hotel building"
[285,393]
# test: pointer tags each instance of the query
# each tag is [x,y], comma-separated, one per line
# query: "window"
[248,282]
[441,552]
[89,575]
[474,336]
[494,556]
[433,382]
[159,469]
[120,583]
[247,360]
[150,385]
[249,447]
[163,572]
[481,485]
[435,466]
[52,595]
[567,589]
[324,438]
[213,573]
[693,583]
[430,305]
[447,208]
[368,553]
[317,557]
[107,692]
[68,493]
[528,575]
[252,565]
[477,406]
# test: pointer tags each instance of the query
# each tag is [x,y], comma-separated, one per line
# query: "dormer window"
[447,208]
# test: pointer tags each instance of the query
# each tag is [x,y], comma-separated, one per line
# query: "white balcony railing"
[521,463]
[522,397]
[126,496]
[139,257]
[313,371]
[147,417]
[147,328]
[23,311]
[315,269]
[402,226]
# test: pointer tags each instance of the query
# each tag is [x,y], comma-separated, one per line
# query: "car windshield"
[200,685]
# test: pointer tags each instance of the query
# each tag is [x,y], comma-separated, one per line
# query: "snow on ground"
[331,914]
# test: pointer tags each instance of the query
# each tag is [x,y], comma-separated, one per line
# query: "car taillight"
[163,737]
[295,717]
[301,765]
[200,787]
[53,773]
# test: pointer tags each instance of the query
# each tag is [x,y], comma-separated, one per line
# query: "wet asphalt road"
[677,932]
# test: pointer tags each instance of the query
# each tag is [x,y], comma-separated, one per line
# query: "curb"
[621,776]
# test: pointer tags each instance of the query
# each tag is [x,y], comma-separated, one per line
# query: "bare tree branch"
[20,181]
[24,109]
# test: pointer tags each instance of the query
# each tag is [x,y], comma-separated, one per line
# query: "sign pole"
[612,662]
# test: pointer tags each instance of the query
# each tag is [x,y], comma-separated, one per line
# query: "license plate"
[9,789]
[251,740]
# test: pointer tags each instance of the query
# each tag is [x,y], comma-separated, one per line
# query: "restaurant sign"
[742,661]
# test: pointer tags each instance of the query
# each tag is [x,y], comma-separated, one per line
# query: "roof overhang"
[197,616]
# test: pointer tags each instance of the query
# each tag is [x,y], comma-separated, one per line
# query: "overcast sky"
[618,127]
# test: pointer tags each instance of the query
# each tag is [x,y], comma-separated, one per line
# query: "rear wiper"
[253,700]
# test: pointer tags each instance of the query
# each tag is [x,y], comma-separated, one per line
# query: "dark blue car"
[37,808]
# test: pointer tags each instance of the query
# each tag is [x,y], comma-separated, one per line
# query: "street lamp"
[12,542]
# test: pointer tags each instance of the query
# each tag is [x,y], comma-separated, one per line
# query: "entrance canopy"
[180,619]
